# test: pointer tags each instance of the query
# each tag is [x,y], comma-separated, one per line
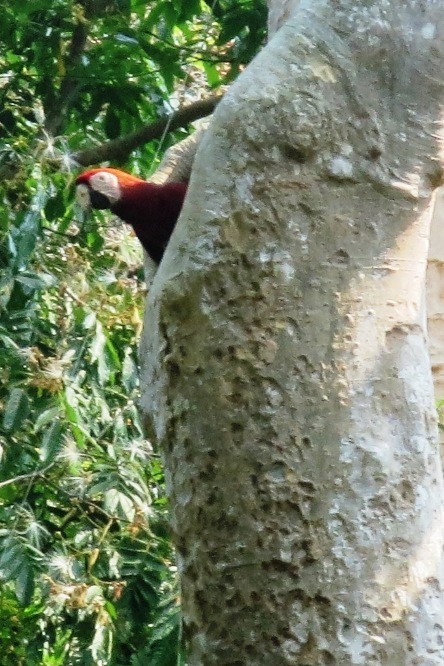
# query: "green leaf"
[12,58]
[187,9]
[24,584]
[111,610]
[98,354]
[46,417]
[94,240]
[98,344]
[130,375]
[213,76]
[11,556]
[51,442]
[55,207]
[100,487]
[119,504]
[163,11]
[25,237]
[16,410]
[112,123]
[31,282]
[6,287]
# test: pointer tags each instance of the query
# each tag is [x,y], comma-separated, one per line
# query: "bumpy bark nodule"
[285,369]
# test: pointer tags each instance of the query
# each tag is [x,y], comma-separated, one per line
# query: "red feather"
[152,210]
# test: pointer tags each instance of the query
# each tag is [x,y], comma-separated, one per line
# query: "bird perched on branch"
[152,210]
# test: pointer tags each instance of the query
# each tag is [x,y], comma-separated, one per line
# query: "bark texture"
[435,294]
[280,12]
[285,366]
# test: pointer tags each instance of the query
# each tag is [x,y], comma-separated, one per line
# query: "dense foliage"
[86,564]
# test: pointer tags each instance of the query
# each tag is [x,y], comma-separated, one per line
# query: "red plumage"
[151,209]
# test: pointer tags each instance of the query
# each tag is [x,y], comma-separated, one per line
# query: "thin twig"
[72,237]
[75,298]
[29,475]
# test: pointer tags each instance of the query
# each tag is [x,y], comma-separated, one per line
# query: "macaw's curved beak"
[98,200]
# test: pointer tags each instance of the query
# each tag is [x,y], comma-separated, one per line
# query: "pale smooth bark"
[279,12]
[285,367]
[178,160]
[435,294]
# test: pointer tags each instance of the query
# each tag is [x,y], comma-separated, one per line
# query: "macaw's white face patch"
[82,197]
[107,184]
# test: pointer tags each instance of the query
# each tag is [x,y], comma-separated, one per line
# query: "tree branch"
[122,147]
[70,87]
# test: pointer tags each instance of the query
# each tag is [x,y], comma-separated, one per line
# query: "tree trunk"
[285,367]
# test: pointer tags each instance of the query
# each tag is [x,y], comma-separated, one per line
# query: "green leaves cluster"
[85,557]
[87,571]
[96,69]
